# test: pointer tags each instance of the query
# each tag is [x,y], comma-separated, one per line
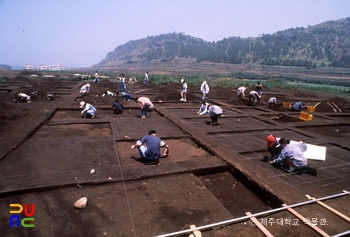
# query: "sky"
[80,33]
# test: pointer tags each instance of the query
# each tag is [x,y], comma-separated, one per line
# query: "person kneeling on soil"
[117,107]
[274,147]
[126,96]
[272,101]
[292,155]
[204,109]
[215,112]
[88,111]
[85,89]
[151,152]
[107,93]
[24,97]
[297,106]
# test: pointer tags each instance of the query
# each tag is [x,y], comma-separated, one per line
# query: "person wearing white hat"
[85,89]
[204,89]
[184,90]
[88,111]
[151,152]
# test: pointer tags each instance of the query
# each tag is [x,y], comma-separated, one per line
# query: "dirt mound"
[19,79]
[303,95]
[9,113]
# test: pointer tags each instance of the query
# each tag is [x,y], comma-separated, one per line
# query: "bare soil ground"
[54,213]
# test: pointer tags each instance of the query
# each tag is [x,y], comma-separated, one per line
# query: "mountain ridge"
[321,45]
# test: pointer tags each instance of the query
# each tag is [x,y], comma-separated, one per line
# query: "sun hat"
[182,80]
[82,104]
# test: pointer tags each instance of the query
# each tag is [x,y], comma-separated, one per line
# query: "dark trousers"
[144,110]
[214,118]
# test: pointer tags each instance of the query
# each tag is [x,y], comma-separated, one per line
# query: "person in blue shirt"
[297,106]
[127,97]
[204,109]
[151,152]
[117,107]
[292,154]
[89,111]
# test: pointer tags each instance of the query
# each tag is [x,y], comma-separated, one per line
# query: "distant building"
[50,68]
[60,67]
[28,67]
[42,67]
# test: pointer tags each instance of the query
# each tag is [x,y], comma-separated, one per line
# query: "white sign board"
[313,152]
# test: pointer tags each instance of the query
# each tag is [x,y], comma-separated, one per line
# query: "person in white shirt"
[184,90]
[24,97]
[97,77]
[272,101]
[254,97]
[205,90]
[240,92]
[85,89]
[146,78]
[108,93]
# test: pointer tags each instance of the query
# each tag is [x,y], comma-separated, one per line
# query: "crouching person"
[151,151]
[117,107]
[24,97]
[291,154]
[88,111]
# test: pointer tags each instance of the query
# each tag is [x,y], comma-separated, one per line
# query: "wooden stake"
[259,225]
[330,209]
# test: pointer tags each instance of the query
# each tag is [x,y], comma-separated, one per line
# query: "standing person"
[122,86]
[297,106]
[89,111]
[254,96]
[272,101]
[85,89]
[117,107]
[97,77]
[184,90]
[146,78]
[240,92]
[215,112]
[145,104]
[258,88]
[127,97]
[151,152]
[204,89]
[292,154]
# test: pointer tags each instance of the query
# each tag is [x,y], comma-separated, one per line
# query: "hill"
[322,45]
